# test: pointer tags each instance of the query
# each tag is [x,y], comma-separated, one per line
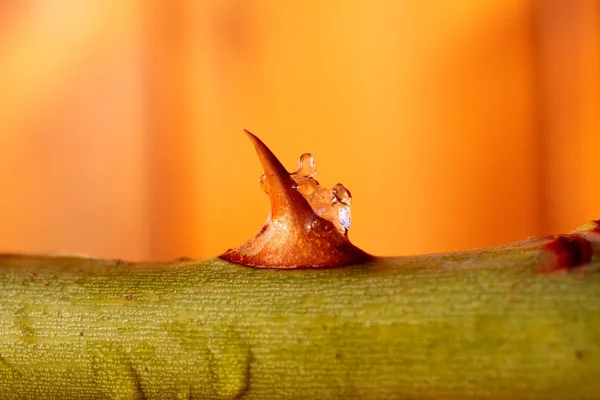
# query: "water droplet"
[322,210]
[306,166]
[342,194]
[262,181]
[315,223]
[322,196]
[345,217]
[291,240]
[330,204]
[306,186]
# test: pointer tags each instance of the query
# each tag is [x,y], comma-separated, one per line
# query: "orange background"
[455,124]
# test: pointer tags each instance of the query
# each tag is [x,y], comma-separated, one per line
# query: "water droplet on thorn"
[290,238]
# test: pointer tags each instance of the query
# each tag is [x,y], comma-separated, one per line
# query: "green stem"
[487,324]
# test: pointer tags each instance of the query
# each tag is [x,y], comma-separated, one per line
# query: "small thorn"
[294,236]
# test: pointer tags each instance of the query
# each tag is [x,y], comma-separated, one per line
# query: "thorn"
[294,236]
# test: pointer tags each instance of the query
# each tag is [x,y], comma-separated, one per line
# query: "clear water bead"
[262,181]
[306,166]
[345,217]
[342,194]
[322,196]
[330,204]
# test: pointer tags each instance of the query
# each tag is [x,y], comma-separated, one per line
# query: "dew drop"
[306,186]
[322,210]
[315,223]
[262,181]
[342,194]
[330,204]
[306,166]
[296,236]
[322,196]
[345,217]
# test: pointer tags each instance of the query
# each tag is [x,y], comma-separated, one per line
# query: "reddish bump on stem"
[294,236]
[568,251]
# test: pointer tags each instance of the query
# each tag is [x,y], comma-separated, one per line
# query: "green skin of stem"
[481,324]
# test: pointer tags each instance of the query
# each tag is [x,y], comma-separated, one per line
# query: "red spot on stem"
[569,251]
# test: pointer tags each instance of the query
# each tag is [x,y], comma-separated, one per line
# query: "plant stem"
[486,324]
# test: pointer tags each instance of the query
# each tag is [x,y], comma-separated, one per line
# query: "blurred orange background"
[455,124]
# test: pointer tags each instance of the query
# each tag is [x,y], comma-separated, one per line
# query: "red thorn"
[282,194]
[294,236]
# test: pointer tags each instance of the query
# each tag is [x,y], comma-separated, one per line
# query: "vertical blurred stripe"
[172,198]
[446,115]
[568,101]
[72,142]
